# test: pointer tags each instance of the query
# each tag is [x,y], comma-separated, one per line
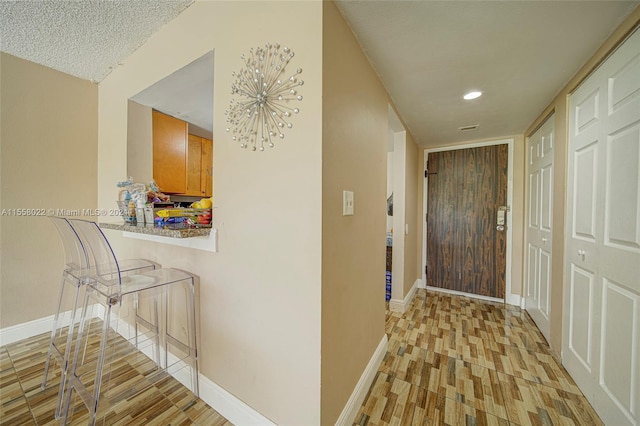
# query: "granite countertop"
[173,231]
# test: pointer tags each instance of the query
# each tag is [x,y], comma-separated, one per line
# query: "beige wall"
[421,214]
[260,295]
[139,142]
[48,161]
[412,241]
[354,157]
[518,216]
[293,282]
[559,106]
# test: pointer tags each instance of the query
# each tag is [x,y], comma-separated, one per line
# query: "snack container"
[127,212]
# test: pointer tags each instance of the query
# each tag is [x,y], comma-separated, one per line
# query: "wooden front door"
[465,189]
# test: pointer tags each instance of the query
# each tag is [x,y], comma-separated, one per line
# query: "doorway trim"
[512,299]
[398,302]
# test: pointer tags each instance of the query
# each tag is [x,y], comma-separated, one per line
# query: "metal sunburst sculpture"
[264,95]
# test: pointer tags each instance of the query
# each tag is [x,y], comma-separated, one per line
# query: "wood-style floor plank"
[453,360]
[450,360]
[128,397]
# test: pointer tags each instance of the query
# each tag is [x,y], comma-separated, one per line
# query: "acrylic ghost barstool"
[75,275]
[164,290]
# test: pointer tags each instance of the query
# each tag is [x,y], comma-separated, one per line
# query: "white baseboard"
[348,415]
[422,283]
[28,329]
[477,296]
[228,405]
[25,330]
[396,305]
[515,299]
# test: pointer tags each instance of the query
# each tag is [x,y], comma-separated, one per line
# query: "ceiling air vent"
[468,128]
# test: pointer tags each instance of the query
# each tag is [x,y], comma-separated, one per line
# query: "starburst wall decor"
[264,97]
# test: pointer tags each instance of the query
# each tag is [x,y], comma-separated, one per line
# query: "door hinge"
[426,171]
[426,270]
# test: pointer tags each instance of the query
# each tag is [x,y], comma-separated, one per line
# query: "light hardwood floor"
[450,360]
[129,399]
[460,361]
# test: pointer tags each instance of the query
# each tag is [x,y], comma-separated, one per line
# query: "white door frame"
[399,208]
[512,299]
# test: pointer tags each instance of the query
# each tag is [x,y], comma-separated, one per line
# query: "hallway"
[461,361]
[450,360]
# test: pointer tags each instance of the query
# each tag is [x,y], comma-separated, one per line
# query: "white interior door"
[540,202]
[601,335]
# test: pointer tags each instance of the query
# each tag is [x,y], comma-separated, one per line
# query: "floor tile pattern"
[129,398]
[453,360]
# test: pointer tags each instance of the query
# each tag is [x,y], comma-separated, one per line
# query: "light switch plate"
[347,203]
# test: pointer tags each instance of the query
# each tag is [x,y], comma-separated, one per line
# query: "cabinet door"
[169,153]
[194,160]
[206,177]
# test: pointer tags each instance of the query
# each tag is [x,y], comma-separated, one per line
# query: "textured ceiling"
[427,53]
[85,38]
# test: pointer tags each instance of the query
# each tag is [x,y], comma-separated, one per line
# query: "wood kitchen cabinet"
[182,163]
[169,153]
[199,166]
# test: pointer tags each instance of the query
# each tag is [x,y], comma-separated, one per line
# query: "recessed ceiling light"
[472,95]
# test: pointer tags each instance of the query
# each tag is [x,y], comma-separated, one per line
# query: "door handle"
[501,218]
[582,253]
[544,240]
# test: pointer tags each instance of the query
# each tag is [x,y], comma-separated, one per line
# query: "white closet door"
[540,202]
[601,339]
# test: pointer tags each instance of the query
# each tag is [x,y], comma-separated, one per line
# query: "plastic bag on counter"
[138,193]
[154,195]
